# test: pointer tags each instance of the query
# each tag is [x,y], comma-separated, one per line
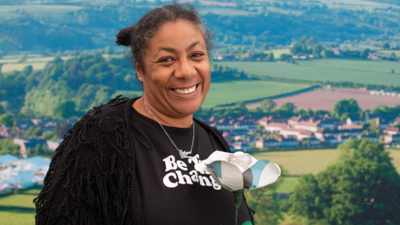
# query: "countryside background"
[313,86]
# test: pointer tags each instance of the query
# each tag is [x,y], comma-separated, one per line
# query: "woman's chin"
[187,109]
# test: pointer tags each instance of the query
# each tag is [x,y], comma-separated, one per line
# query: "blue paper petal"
[216,165]
[257,169]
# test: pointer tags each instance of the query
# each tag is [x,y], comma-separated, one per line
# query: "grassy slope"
[19,66]
[278,52]
[287,185]
[373,72]
[227,92]
[17,217]
[300,162]
[10,64]
[8,11]
[19,200]
[312,161]
[395,154]
[396,52]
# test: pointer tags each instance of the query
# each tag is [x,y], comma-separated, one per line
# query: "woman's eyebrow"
[192,45]
[174,50]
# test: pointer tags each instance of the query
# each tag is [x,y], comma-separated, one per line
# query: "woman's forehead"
[181,35]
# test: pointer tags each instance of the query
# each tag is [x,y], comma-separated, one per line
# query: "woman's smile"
[186,91]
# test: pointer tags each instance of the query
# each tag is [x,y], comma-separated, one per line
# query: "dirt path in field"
[326,99]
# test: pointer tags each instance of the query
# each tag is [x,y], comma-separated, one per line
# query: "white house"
[298,133]
[275,127]
[267,143]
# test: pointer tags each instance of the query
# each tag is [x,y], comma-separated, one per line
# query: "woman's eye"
[198,54]
[166,60]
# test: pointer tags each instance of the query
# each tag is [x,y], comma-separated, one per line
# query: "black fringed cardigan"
[92,176]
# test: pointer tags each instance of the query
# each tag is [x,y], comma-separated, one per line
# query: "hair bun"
[124,36]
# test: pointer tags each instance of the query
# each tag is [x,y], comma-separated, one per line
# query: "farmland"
[311,161]
[19,62]
[17,209]
[300,162]
[287,185]
[326,98]
[278,52]
[17,217]
[359,71]
[8,11]
[19,200]
[20,66]
[222,93]
[396,52]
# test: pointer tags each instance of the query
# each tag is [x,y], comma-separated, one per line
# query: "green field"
[236,91]
[20,66]
[311,161]
[287,185]
[17,217]
[31,191]
[396,52]
[13,63]
[8,11]
[278,52]
[359,71]
[300,162]
[19,200]
[10,214]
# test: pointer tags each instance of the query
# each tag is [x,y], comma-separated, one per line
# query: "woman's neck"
[182,122]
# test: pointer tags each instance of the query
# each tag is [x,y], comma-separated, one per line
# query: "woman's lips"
[187,92]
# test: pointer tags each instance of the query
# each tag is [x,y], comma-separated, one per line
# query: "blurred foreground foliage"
[359,187]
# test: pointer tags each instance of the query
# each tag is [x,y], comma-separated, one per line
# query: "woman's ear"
[139,70]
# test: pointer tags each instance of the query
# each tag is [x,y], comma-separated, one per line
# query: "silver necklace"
[183,154]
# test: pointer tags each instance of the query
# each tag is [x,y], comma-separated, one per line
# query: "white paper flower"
[237,171]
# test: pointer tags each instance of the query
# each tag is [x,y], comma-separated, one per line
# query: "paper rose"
[237,171]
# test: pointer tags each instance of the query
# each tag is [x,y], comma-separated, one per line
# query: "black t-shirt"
[172,191]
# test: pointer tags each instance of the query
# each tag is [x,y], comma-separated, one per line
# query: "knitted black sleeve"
[90,178]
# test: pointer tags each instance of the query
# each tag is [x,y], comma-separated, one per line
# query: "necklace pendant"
[184,154]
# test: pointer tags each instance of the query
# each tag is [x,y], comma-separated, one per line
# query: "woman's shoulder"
[114,107]
[92,150]
[103,126]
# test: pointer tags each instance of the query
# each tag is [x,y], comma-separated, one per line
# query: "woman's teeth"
[185,91]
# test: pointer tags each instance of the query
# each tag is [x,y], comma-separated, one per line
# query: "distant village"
[248,133]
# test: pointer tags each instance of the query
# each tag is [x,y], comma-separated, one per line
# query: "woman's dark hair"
[138,35]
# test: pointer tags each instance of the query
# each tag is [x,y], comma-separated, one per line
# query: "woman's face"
[176,75]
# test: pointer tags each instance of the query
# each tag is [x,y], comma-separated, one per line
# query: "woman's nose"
[185,70]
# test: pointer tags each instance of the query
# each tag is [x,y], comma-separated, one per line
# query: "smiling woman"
[175,73]
[132,161]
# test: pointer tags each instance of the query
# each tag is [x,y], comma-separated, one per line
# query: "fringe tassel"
[89,180]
